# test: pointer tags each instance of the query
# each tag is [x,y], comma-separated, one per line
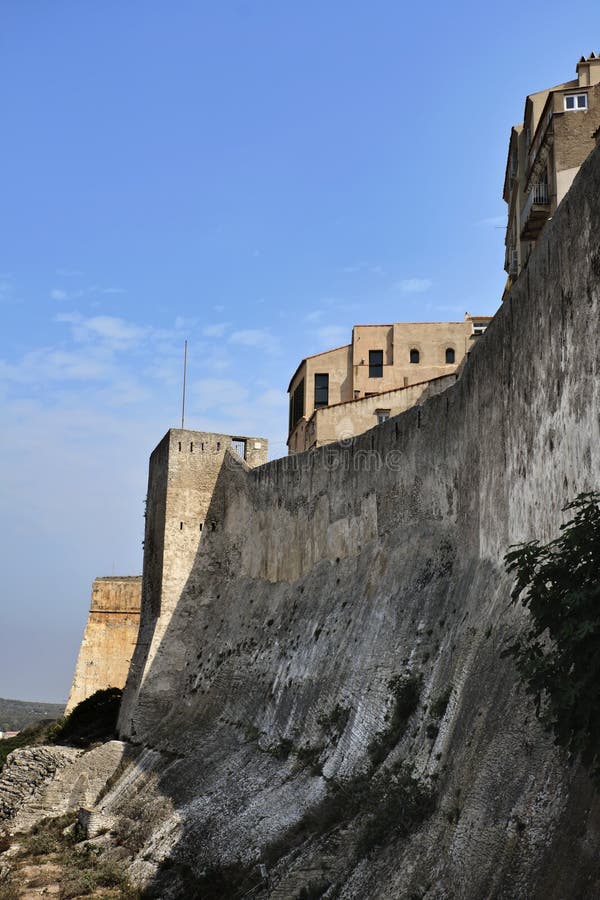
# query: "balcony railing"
[537,196]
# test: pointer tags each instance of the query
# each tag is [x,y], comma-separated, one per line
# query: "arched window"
[449,356]
[414,356]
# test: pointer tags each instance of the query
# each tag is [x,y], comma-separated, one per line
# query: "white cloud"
[59,294]
[50,365]
[333,335]
[111,330]
[314,316]
[414,285]
[216,330]
[259,338]
[273,398]
[217,393]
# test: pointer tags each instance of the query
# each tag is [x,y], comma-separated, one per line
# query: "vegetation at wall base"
[558,654]
[93,720]
[29,737]
[406,690]
[52,856]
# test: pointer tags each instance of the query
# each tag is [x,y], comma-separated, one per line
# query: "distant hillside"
[16,714]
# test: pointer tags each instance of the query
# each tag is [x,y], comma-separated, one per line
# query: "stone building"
[181,516]
[385,370]
[184,469]
[544,156]
[109,638]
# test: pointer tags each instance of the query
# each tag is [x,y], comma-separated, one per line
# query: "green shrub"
[406,690]
[93,720]
[46,836]
[336,720]
[399,803]
[9,890]
[314,890]
[281,750]
[558,654]
[311,757]
[439,704]
[29,737]
[215,882]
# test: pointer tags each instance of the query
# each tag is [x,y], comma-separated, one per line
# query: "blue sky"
[255,177]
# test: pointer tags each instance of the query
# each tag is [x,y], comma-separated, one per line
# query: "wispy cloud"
[333,335]
[216,330]
[371,268]
[7,290]
[259,338]
[117,333]
[414,285]
[209,393]
[90,291]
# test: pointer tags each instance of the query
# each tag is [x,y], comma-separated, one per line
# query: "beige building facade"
[381,361]
[109,639]
[544,155]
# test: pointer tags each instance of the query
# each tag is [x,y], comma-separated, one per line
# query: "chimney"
[588,70]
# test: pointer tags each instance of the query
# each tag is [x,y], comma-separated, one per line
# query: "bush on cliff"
[93,720]
[558,655]
[406,691]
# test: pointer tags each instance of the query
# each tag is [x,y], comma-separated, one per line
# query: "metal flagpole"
[184,377]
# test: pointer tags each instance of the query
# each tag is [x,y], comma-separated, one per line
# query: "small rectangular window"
[576,101]
[382,415]
[375,363]
[321,390]
[297,405]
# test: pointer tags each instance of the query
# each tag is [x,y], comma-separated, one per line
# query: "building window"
[414,355]
[479,327]
[321,390]
[382,415]
[449,356]
[375,363]
[297,405]
[576,101]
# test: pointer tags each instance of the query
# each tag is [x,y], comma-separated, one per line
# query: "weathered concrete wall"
[109,639]
[328,573]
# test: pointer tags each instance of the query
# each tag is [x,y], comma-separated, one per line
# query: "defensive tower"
[184,469]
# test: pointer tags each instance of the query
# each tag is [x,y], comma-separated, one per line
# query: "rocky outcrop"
[27,774]
[38,782]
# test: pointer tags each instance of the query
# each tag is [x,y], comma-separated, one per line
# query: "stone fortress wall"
[324,575]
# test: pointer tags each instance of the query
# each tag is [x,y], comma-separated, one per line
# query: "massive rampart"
[329,573]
